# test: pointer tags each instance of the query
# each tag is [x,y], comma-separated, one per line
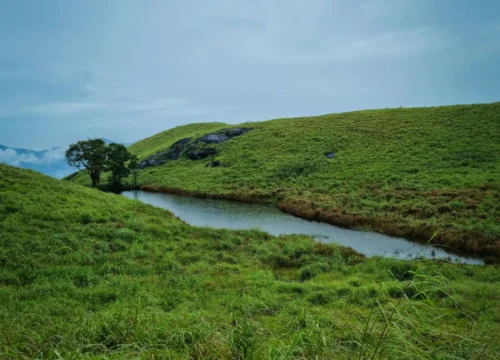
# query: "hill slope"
[84,274]
[399,171]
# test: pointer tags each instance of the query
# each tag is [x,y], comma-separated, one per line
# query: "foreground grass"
[407,172]
[85,274]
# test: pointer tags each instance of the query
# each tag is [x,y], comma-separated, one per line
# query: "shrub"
[85,219]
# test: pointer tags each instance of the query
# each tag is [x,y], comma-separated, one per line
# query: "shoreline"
[459,242]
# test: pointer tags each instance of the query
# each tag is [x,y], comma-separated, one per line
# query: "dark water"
[236,215]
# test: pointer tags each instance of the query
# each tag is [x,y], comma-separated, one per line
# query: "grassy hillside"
[399,171]
[84,274]
[159,142]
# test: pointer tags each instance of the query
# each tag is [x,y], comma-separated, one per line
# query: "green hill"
[407,172]
[85,274]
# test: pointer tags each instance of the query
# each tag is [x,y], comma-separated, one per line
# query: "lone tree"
[118,155]
[94,156]
[133,167]
[89,157]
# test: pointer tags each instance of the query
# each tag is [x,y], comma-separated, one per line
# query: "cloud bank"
[16,157]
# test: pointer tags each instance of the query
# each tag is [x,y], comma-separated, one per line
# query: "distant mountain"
[107,141]
[50,162]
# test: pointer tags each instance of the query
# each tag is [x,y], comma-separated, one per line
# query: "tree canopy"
[94,156]
[118,155]
[89,157]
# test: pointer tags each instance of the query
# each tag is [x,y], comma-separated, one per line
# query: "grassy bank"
[85,274]
[407,172]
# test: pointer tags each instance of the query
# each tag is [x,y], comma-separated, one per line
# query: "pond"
[240,216]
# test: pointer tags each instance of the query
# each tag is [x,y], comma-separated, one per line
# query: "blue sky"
[127,69]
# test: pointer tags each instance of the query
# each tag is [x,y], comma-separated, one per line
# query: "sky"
[127,69]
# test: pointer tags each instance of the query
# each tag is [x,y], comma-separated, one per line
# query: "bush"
[85,219]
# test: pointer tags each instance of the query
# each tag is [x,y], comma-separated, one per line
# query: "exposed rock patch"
[222,136]
[193,150]
[214,138]
[177,148]
[201,154]
[160,158]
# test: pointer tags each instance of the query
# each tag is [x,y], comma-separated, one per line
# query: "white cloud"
[397,44]
[92,107]
[53,155]
[308,33]
[9,157]
[12,157]
[391,45]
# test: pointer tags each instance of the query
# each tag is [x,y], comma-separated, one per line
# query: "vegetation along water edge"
[408,172]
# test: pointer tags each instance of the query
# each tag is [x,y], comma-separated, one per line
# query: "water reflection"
[235,215]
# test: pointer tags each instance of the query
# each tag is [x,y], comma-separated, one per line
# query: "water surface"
[239,216]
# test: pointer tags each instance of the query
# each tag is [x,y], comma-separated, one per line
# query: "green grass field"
[407,172]
[86,274]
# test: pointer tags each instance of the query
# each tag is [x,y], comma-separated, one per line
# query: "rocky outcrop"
[223,135]
[213,138]
[172,153]
[194,150]
[201,154]
[177,148]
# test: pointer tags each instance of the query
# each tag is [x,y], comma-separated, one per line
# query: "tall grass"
[89,275]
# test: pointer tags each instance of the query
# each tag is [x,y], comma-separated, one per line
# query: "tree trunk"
[95,179]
